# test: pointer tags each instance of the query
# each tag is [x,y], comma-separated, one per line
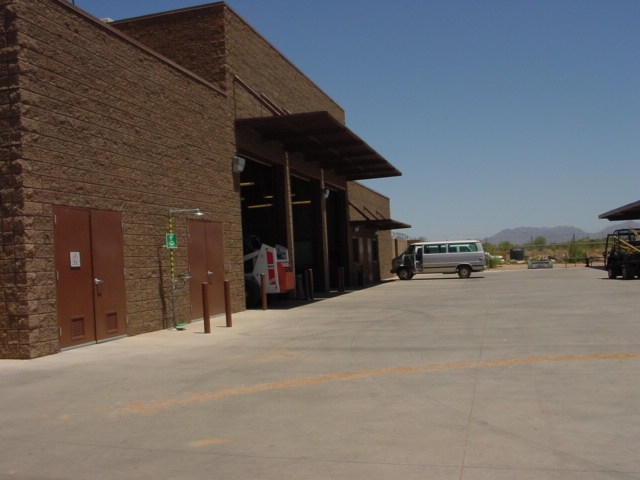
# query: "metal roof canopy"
[324,140]
[626,212]
[381,224]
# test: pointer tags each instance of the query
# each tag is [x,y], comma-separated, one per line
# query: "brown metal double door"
[90,283]
[206,265]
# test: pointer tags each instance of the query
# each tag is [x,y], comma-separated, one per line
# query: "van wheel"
[404,274]
[464,271]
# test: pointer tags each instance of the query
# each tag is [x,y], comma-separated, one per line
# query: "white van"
[459,256]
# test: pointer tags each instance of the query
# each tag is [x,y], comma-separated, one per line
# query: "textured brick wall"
[371,203]
[213,41]
[373,206]
[193,38]
[268,72]
[102,124]
[15,252]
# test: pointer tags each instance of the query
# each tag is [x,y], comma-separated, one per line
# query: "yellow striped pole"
[171,257]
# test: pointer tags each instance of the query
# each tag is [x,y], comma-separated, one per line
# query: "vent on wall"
[112,322]
[77,328]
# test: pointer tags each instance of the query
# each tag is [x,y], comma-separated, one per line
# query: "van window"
[435,248]
[463,247]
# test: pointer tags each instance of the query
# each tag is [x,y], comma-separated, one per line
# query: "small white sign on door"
[74,259]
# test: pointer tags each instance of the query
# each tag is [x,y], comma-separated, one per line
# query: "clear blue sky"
[499,113]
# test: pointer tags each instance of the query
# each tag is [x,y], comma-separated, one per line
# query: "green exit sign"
[171,240]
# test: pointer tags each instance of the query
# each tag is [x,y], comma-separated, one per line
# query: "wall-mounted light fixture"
[238,164]
[325,193]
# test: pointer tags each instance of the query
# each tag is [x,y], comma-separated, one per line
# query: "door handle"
[97,281]
[209,272]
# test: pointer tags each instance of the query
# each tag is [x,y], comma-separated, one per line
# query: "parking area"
[522,374]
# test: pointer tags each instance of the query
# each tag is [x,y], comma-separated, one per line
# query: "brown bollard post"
[305,284]
[341,279]
[227,303]
[205,308]
[311,286]
[263,290]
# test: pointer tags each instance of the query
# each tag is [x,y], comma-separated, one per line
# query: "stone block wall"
[367,204]
[215,43]
[92,120]
[267,72]
[191,37]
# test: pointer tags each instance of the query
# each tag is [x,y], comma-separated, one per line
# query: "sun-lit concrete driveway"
[530,374]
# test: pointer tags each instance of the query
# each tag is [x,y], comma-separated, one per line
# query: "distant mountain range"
[525,235]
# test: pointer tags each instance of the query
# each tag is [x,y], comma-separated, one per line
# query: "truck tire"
[611,272]
[464,271]
[404,274]
[251,293]
[628,272]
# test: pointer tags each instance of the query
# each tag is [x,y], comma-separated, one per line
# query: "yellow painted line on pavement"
[209,441]
[201,397]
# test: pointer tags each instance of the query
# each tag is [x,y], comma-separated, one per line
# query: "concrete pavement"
[527,374]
